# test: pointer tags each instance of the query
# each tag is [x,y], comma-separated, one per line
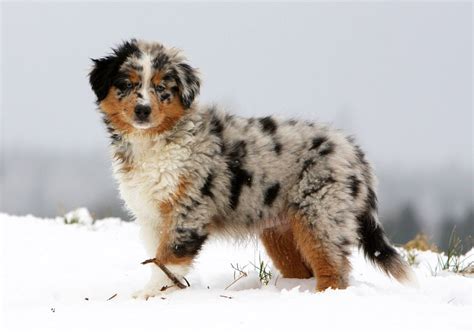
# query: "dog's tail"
[380,252]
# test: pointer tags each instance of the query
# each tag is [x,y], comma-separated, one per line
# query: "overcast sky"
[399,76]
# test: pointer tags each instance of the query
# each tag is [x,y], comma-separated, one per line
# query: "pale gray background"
[397,75]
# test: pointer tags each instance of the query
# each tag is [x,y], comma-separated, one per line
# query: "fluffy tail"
[379,251]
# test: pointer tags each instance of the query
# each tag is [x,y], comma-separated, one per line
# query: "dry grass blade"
[242,274]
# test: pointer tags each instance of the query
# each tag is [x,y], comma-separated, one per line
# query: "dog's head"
[144,86]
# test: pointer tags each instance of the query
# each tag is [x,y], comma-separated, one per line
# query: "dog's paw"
[148,292]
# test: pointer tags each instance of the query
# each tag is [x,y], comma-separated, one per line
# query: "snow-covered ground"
[58,277]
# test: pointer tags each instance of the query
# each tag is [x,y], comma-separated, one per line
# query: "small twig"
[165,270]
[224,296]
[113,296]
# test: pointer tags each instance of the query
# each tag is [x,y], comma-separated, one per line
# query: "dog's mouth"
[142,125]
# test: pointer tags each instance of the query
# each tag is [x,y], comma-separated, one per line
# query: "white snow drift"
[58,277]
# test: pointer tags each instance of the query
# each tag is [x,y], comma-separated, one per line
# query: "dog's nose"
[142,112]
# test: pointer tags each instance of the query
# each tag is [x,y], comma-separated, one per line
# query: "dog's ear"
[188,83]
[105,70]
[100,77]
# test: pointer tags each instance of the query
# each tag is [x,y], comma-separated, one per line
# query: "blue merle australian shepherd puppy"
[187,171]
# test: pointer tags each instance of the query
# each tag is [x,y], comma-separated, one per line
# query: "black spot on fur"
[206,189]
[268,125]
[345,242]
[195,202]
[328,149]
[106,120]
[249,124]
[237,152]
[345,253]
[228,118]
[354,185]
[160,61]
[216,126]
[351,139]
[239,176]
[106,69]
[372,199]
[249,220]
[260,214]
[306,165]
[167,77]
[277,147]
[360,155]
[317,142]
[188,243]
[137,67]
[115,137]
[271,194]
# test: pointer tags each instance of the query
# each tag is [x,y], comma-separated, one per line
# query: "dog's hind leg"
[330,266]
[281,247]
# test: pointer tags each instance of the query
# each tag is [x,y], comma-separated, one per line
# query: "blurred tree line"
[406,223]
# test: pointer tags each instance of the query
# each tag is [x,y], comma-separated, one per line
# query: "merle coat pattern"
[187,171]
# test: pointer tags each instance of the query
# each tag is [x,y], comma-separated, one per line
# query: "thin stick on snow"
[165,270]
[111,297]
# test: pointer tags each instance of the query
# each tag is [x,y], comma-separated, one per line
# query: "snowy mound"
[74,274]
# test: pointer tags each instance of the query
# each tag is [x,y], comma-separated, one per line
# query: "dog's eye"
[160,89]
[123,85]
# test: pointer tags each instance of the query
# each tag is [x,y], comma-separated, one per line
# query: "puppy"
[187,171]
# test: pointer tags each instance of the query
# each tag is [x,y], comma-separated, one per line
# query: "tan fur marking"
[115,110]
[281,247]
[164,253]
[313,251]
[134,77]
[170,112]
[156,78]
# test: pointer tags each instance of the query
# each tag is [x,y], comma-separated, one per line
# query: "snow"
[58,277]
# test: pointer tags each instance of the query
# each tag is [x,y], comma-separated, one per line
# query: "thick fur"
[189,171]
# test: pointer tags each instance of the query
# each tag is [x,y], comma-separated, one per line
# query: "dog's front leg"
[174,243]
[152,234]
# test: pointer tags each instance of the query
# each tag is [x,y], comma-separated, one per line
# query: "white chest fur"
[153,177]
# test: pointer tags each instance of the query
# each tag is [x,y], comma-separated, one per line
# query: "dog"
[187,171]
